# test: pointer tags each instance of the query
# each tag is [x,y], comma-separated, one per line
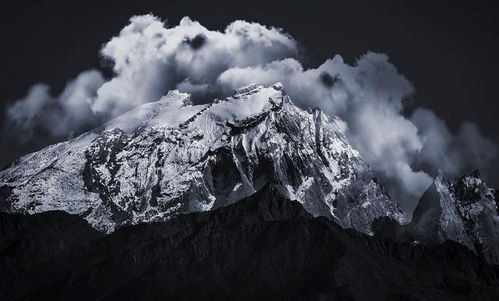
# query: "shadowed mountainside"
[262,247]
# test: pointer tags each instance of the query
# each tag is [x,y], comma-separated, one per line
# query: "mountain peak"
[171,157]
[461,209]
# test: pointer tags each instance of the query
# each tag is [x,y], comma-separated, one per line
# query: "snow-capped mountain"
[459,209]
[171,157]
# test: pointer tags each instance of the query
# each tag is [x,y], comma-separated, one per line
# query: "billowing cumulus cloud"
[450,153]
[40,114]
[149,59]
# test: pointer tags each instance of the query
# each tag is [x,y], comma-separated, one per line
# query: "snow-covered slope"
[171,157]
[459,209]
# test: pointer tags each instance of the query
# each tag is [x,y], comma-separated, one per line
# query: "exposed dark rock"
[5,193]
[496,199]
[260,248]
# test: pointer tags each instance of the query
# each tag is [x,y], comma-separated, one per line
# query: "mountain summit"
[171,157]
[460,209]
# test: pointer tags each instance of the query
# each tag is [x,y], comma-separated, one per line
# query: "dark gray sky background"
[447,49]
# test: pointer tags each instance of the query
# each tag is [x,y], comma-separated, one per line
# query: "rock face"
[171,157]
[459,209]
[263,247]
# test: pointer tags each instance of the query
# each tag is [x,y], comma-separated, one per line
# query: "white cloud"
[41,114]
[150,59]
[468,149]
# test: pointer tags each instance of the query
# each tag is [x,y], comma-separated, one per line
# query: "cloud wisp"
[149,59]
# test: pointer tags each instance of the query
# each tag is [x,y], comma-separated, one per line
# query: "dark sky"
[448,50]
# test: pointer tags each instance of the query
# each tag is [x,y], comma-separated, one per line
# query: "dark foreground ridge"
[262,247]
